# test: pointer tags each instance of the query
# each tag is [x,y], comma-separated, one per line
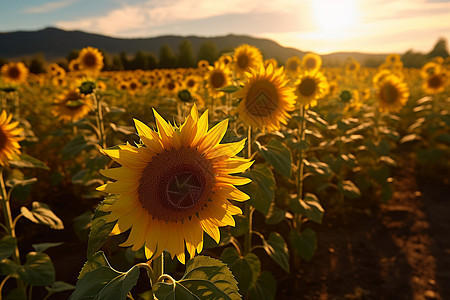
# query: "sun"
[332,16]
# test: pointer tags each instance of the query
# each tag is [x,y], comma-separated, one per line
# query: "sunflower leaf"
[7,245]
[265,287]
[278,155]
[262,188]
[38,269]
[205,278]
[304,243]
[99,234]
[277,249]
[41,214]
[26,161]
[246,268]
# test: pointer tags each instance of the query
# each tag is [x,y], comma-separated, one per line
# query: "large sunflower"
[90,59]
[310,87]
[9,138]
[266,98]
[218,77]
[14,72]
[392,94]
[246,57]
[72,106]
[175,186]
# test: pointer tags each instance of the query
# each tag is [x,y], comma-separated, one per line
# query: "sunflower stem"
[100,123]
[6,208]
[17,105]
[248,209]
[303,111]
[158,266]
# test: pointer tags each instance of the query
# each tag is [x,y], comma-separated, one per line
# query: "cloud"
[48,7]
[151,17]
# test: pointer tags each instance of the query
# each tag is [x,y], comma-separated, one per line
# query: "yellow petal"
[214,136]
[122,173]
[226,150]
[211,229]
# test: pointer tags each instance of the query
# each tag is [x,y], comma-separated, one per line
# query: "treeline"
[185,57]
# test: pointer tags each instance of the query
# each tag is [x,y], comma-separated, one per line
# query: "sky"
[321,26]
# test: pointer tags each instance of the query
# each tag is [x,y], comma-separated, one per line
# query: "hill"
[55,43]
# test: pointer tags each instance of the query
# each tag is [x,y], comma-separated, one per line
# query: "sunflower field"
[212,182]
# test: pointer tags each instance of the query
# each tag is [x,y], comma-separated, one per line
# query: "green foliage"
[278,155]
[42,214]
[304,243]
[262,188]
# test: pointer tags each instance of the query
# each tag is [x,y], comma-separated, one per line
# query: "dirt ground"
[399,250]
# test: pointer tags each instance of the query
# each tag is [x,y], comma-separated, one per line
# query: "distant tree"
[72,55]
[186,54]
[107,61]
[3,62]
[37,64]
[208,51]
[140,61]
[413,59]
[124,60]
[440,49]
[166,57]
[116,63]
[373,62]
[152,61]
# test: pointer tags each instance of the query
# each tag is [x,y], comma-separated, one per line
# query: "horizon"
[321,26]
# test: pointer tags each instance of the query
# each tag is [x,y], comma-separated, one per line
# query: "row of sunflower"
[293,135]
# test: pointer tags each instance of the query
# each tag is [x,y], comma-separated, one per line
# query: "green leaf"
[443,138]
[277,249]
[7,246]
[82,225]
[380,175]
[94,262]
[410,138]
[278,155]
[99,234]
[205,278]
[262,188]
[127,130]
[119,287]
[8,267]
[349,189]
[59,286]
[265,287]
[246,269]
[38,269]
[91,284]
[304,243]
[75,146]
[44,246]
[41,214]
[311,208]
[17,294]
[229,89]
[27,161]
[20,182]
[275,215]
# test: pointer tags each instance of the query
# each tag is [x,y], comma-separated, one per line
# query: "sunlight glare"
[332,16]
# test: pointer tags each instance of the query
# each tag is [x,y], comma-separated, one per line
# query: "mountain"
[55,44]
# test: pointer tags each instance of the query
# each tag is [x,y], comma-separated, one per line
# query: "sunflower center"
[191,83]
[307,87]
[261,99]
[389,93]
[217,80]
[90,60]
[434,81]
[171,86]
[176,184]
[310,63]
[13,73]
[293,65]
[242,61]
[3,139]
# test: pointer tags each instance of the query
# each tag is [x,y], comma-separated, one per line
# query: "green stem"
[100,123]
[3,284]
[150,273]
[158,266]
[248,209]
[17,105]
[6,208]
[302,152]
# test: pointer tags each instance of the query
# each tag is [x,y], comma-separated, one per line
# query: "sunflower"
[75,65]
[192,82]
[72,106]
[266,98]
[14,72]
[175,186]
[9,138]
[218,77]
[392,94]
[203,65]
[271,61]
[311,62]
[91,59]
[430,68]
[352,66]
[310,87]
[435,83]
[225,59]
[246,57]
[292,66]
